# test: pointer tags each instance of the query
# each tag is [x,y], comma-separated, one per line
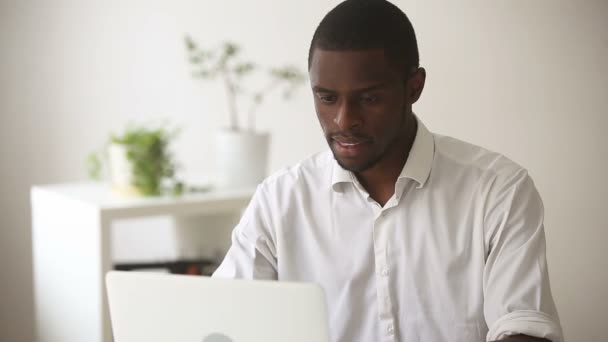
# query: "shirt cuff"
[526,322]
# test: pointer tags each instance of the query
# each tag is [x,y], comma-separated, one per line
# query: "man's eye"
[326,98]
[368,99]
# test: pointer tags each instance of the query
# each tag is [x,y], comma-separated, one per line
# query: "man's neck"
[379,180]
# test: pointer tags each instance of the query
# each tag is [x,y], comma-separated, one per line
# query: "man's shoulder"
[467,156]
[313,172]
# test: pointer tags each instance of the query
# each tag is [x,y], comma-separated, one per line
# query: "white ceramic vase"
[242,158]
[120,169]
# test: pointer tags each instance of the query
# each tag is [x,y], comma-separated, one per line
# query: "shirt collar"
[417,167]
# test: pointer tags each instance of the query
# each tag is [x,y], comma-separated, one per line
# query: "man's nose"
[348,116]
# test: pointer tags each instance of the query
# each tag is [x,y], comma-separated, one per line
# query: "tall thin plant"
[225,63]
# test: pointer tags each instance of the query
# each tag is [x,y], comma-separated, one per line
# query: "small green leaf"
[178,189]
[243,68]
[230,49]
[190,44]
[202,74]
[93,166]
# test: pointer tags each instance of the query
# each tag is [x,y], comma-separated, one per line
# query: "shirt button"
[390,329]
[384,272]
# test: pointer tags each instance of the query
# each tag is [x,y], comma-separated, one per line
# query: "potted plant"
[241,151]
[139,162]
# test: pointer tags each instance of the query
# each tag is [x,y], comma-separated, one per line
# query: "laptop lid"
[154,307]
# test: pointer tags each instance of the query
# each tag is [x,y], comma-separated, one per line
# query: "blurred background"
[526,78]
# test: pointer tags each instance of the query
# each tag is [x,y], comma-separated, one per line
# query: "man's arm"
[252,254]
[517,294]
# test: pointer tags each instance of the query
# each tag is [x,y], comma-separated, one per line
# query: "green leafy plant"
[152,164]
[225,63]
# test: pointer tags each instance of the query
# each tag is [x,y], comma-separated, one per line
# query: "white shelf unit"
[72,249]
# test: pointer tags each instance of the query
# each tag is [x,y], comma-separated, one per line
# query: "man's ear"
[415,85]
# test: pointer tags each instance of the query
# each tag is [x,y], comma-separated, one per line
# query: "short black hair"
[365,25]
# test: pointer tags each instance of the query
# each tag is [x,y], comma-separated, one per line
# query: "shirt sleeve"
[517,294]
[252,254]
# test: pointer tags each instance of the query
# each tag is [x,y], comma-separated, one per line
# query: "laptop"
[154,307]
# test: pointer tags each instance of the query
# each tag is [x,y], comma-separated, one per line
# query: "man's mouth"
[350,146]
[346,141]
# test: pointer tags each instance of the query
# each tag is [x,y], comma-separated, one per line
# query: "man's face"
[361,103]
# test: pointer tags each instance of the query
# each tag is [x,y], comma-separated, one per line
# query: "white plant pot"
[242,158]
[121,173]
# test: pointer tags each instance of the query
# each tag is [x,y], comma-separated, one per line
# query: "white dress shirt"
[456,254]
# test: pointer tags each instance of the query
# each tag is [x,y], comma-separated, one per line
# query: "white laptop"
[155,307]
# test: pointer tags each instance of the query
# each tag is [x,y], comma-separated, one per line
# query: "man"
[413,236]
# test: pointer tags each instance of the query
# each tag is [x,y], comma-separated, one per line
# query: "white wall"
[527,78]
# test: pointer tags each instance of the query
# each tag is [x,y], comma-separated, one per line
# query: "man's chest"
[408,264]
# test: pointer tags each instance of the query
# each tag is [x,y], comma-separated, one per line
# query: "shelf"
[111,205]
[76,227]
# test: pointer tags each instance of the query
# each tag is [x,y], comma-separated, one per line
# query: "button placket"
[382,232]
